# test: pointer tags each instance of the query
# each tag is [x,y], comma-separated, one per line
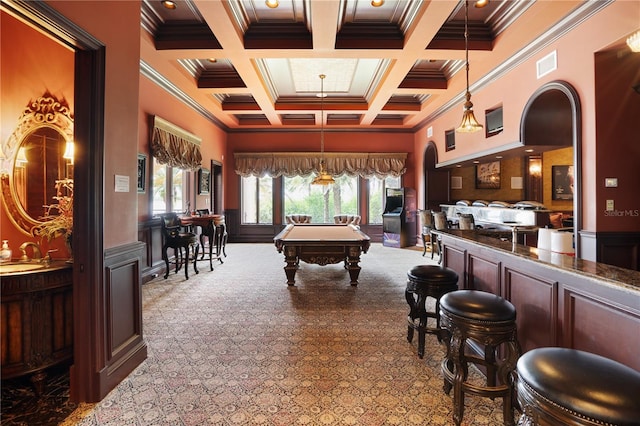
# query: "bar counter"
[560,300]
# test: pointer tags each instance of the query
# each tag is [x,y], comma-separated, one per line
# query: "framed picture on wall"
[142,173]
[562,181]
[488,175]
[203,181]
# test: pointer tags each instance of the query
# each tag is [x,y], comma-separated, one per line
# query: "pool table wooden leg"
[291,257]
[354,268]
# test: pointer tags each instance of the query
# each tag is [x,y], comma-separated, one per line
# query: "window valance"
[291,164]
[174,146]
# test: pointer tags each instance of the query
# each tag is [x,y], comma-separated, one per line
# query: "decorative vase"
[68,242]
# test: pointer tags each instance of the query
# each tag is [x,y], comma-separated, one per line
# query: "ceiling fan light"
[272,3]
[634,42]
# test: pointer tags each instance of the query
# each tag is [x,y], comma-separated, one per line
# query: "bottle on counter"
[5,252]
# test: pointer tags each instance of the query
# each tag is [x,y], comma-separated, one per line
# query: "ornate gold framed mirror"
[35,152]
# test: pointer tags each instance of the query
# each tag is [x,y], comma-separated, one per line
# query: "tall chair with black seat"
[204,232]
[174,237]
[221,236]
[426,217]
[216,234]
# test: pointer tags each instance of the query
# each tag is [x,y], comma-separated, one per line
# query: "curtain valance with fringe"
[174,146]
[291,164]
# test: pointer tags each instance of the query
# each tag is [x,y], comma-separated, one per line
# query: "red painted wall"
[618,140]
[30,65]
[156,101]
[575,52]
[117,26]
[310,142]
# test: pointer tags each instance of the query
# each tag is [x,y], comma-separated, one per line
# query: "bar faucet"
[37,253]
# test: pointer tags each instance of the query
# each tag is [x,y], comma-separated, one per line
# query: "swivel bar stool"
[561,386]
[477,320]
[424,281]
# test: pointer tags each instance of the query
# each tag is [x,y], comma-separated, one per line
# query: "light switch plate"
[611,182]
[610,206]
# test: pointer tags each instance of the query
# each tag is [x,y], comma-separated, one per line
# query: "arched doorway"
[436,182]
[551,118]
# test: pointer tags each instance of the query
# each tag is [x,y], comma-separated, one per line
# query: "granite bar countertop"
[601,272]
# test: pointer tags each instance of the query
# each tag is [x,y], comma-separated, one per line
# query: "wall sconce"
[21,158]
[68,151]
[535,167]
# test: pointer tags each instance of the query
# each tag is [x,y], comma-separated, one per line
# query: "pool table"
[322,244]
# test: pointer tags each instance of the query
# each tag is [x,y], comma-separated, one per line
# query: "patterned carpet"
[237,346]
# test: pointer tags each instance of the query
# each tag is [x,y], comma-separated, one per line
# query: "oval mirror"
[36,152]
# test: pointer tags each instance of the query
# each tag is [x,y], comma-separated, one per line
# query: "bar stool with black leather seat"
[426,218]
[424,281]
[477,320]
[174,237]
[466,221]
[561,386]
[440,222]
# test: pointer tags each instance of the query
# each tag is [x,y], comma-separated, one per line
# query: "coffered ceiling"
[247,66]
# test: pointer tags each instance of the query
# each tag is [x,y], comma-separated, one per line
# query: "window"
[321,202]
[299,196]
[377,190]
[257,200]
[493,120]
[168,189]
[450,140]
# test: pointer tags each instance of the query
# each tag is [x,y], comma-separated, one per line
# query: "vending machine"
[399,218]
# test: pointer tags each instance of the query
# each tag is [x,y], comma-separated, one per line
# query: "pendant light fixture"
[323,177]
[469,123]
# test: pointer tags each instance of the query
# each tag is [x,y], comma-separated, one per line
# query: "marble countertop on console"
[601,272]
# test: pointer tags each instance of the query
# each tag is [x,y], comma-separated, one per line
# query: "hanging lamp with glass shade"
[323,178]
[469,124]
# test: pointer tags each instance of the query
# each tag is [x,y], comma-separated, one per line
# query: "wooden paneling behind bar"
[555,307]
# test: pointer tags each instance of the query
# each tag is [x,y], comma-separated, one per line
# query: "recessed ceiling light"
[168,4]
[212,60]
[482,3]
[498,156]
[272,3]
[377,3]
[476,162]
[458,165]
[528,150]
